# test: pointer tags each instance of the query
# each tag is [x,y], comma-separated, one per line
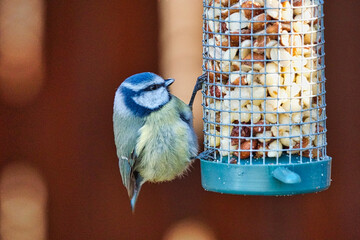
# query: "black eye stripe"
[154,87]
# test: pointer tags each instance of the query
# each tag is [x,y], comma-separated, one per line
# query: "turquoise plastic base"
[271,178]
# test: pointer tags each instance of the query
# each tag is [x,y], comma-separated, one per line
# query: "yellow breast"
[163,146]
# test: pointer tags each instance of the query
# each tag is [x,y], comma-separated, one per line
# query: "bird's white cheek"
[152,99]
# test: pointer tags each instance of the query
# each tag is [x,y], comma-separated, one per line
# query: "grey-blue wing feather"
[126,132]
[126,167]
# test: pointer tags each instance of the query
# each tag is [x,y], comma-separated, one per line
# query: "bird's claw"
[200,81]
[207,155]
[198,86]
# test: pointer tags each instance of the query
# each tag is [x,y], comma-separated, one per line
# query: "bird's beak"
[169,81]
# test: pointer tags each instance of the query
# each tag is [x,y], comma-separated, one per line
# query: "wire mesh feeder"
[264,99]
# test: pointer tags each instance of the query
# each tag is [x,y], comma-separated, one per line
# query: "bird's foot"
[200,81]
[207,155]
[198,86]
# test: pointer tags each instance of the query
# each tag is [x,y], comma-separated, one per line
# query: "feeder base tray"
[267,179]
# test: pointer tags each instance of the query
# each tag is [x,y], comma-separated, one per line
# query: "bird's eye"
[154,87]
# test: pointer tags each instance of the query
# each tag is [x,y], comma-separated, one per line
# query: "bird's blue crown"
[141,78]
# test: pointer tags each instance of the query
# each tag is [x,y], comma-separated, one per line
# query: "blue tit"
[153,129]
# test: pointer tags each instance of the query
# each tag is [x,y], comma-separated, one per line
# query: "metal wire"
[265,94]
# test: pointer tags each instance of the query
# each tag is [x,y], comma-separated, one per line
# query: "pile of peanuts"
[264,96]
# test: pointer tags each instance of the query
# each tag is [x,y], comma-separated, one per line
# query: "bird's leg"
[198,86]
[207,155]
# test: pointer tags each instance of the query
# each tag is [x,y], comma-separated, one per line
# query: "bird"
[153,130]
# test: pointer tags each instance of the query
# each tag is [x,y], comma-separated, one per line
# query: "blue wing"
[131,179]
[126,132]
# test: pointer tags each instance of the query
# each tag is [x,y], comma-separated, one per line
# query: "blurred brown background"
[56,132]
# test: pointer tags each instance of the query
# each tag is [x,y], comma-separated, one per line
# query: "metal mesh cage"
[264,101]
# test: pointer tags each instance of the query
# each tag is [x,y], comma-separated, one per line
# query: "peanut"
[235,37]
[260,43]
[274,30]
[256,64]
[245,132]
[259,22]
[260,129]
[246,146]
[250,9]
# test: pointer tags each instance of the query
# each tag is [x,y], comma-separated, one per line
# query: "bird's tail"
[139,182]
[134,198]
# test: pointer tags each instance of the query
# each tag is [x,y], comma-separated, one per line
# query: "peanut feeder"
[264,99]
